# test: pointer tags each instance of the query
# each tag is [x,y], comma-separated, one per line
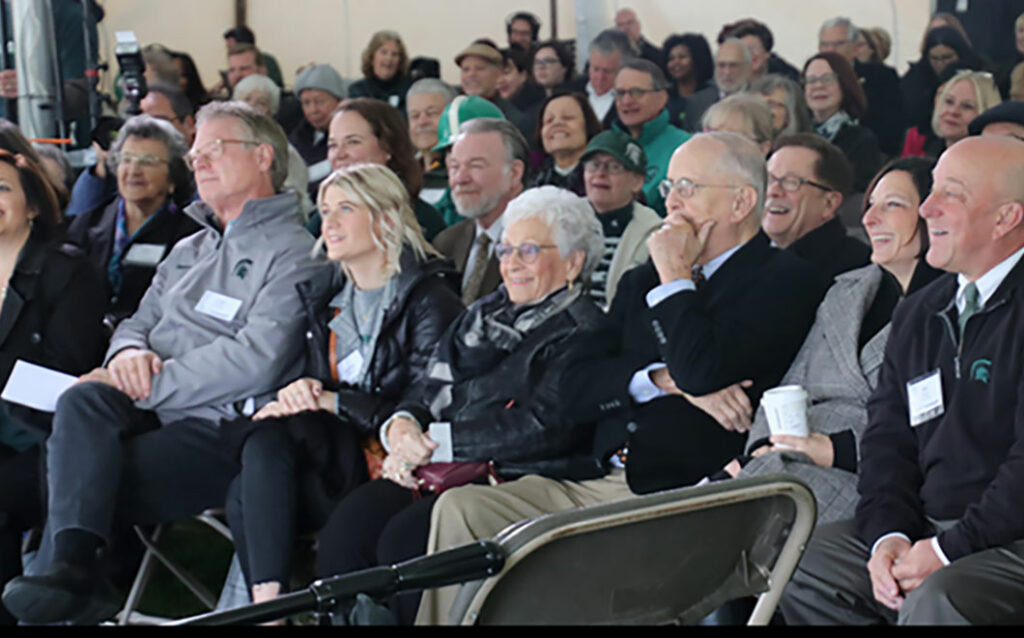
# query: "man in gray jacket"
[218,331]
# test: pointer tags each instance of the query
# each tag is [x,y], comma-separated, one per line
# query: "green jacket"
[659,140]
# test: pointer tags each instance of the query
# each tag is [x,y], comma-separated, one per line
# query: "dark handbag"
[436,478]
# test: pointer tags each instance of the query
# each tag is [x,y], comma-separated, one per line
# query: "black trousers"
[275,497]
[379,523]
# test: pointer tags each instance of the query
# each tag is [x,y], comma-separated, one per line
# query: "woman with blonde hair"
[372,324]
[964,97]
[385,67]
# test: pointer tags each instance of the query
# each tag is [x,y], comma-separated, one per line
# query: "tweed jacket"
[838,379]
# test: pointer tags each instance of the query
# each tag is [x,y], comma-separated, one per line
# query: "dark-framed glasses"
[825,80]
[636,94]
[611,167]
[526,251]
[686,188]
[792,183]
[212,151]
[146,161]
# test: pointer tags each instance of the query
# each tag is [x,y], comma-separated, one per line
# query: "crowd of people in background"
[293,302]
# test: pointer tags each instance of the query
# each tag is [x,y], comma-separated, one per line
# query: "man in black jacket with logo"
[940,525]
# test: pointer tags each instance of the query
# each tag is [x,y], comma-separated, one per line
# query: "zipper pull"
[956,362]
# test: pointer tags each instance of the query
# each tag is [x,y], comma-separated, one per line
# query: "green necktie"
[970,305]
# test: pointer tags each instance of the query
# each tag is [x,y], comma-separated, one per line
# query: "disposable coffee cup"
[786,409]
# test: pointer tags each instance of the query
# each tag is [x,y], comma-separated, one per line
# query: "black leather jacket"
[426,302]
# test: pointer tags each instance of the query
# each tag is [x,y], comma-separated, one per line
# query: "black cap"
[1011,111]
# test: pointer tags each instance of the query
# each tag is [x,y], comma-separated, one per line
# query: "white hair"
[572,221]
[851,31]
[257,83]
[743,159]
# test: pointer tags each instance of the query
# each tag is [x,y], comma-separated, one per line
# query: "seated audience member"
[385,66]
[732,75]
[608,51]
[52,316]
[837,103]
[965,96]
[160,66]
[641,96]
[807,181]
[552,66]
[481,66]
[245,60]
[424,104]
[515,84]
[746,321]
[566,124]
[95,185]
[523,30]
[244,35]
[487,168]
[13,141]
[260,92]
[883,114]
[185,360]
[759,40]
[126,238]
[744,114]
[459,111]
[1006,119]
[368,131]
[786,100]
[873,46]
[374,321]
[627,22]
[689,67]
[516,343]
[56,164]
[191,83]
[320,89]
[614,167]
[937,534]
[852,326]
[1006,67]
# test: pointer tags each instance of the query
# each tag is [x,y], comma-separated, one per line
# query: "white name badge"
[220,306]
[924,394]
[350,367]
[144,254]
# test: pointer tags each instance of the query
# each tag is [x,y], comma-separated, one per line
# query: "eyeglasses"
[546,62]
[686,188]
[825,80]
[942,58]
[146,161]
[611,167]
[636,94]
[527,251]
[792,183]
[212,152]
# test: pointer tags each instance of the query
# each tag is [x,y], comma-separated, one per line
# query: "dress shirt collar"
[988,283]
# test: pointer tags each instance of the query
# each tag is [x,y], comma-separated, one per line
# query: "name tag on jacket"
[217,305]
[924,396]
[144,255]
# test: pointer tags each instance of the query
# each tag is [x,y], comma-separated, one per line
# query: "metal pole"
[40,110]
[554,19]
[241,13]
[10,106]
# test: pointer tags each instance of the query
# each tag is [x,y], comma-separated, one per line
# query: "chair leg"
[141,577]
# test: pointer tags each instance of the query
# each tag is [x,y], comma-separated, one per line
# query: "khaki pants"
[475,512]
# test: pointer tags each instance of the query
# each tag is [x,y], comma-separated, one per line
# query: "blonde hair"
[394,224]
[985,92]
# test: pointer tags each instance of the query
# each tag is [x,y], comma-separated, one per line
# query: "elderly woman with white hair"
[372,324]
[785,100]
[745,115]
[492,394]
[260,92]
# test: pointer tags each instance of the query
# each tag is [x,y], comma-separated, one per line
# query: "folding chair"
[669,557]
[129,614]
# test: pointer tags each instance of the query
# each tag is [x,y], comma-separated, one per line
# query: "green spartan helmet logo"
[980,370]
[242,268]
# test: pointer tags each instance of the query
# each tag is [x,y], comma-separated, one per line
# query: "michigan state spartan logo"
[241,269]
[980,370]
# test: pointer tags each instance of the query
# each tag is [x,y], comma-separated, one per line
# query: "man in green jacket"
[641,96]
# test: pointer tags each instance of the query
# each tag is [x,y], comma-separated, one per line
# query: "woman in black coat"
[385,67]
[837,102]
[127,237]
[371,327]
[493,388]
[52,309]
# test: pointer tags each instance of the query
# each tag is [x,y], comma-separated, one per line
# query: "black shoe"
[68,593]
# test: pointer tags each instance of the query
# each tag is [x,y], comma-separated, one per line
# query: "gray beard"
[474,212]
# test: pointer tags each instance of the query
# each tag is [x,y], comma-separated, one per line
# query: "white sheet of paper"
[924,394]
[35,386]
[144,255]
[350,367]
[217,305]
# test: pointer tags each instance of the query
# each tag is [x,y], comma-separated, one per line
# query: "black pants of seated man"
[380,523]
[110,464]
[282,490]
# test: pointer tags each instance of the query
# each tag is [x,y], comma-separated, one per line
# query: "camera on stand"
[133,70]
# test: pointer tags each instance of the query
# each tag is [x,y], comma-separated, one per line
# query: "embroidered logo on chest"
[980,371]
[241,269]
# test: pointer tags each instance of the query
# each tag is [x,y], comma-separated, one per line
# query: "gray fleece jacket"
[223,312]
